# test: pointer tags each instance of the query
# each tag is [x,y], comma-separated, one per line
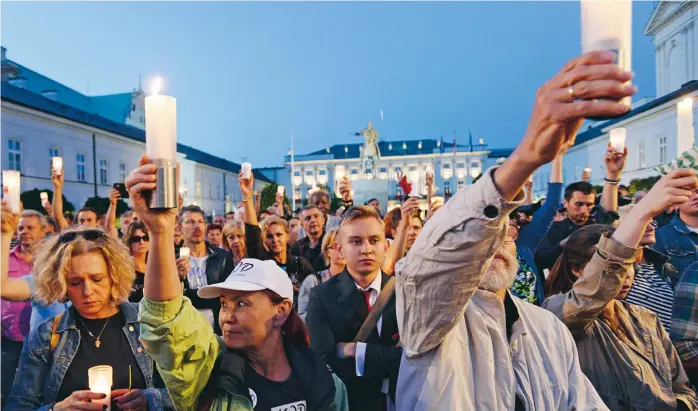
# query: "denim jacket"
[678,242]
[41,372]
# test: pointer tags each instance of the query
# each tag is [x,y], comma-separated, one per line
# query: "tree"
[642,184]
[101,205]
[32,201]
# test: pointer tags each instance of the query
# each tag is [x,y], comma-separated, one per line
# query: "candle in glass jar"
[100,381]
[57,164]
[246,170]
[184,252]
[10,189]
[618,136]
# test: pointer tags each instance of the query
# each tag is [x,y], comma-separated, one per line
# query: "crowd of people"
[488,302]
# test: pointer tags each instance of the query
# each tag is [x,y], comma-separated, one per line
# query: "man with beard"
[310,247]
[207,264]
[468,343]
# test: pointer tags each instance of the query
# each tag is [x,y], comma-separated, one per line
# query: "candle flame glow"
[156,86]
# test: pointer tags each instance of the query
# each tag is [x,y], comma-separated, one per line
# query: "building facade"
[453,166]
[652,125]
[100,139]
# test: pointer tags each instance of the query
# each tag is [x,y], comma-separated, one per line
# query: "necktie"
[367,298]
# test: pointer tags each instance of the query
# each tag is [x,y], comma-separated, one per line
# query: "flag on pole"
[688,159]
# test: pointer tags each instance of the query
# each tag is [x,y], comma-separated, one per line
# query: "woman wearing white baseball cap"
[262,362]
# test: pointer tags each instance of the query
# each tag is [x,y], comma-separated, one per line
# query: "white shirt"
[360,356]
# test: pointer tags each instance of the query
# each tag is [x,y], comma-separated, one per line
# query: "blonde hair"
[274,220]
[229,228]
[52,264]
[331,237]
[359,213]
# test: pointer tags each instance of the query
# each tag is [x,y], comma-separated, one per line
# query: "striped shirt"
[652,291]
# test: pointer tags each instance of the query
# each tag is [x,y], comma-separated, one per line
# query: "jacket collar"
[679,225]
[491,305]
[70,317]
[229,370]
[654,257]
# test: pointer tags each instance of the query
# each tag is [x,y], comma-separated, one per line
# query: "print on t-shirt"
[296,406]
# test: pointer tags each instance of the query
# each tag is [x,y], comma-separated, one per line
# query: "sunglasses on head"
[139,238]
[89,235]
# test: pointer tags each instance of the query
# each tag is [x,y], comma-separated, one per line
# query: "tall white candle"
[246,170]
[100,381]
[10,189]
[43,196]
[684,124]
[618,136]
[57,163]
[607,25]
[160,124]
[280,190]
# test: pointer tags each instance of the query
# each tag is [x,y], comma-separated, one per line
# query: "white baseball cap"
[252,275]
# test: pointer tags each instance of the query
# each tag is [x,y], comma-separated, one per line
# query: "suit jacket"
[335,313]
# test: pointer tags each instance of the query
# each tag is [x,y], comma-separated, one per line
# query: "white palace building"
[652,131]
[100,139]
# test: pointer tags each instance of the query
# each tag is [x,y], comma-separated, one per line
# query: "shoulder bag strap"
[376,311]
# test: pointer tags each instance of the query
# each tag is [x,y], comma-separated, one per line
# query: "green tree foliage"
[32,201]
[101,204]
[268,196]
[643,184]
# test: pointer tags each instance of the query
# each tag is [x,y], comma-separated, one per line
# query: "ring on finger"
[570,91]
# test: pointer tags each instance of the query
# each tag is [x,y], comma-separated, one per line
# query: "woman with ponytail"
[623,348]
[262,361]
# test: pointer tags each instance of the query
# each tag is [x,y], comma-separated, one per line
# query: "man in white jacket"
[468,343]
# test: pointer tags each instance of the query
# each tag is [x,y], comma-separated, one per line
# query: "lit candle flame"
[156,86]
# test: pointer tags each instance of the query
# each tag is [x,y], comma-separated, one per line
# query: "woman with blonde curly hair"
[93,271]
[234,239]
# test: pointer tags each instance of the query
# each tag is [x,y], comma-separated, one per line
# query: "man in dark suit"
[339,306]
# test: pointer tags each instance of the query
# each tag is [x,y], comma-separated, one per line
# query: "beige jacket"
[457,356]
[640,371]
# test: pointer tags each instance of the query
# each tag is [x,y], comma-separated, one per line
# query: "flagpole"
[293,173]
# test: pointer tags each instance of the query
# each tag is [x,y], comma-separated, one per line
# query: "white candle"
[684,124]
[10,189]
[607,25]
[100,381]
[43,196]
[184,252]
[182,190]
[618,136]
[280,190]
[246,170]
[57,163]
[160,125]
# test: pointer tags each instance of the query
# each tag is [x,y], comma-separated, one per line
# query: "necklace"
[97,341]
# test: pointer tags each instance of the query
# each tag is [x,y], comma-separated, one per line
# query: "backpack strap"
[55,337]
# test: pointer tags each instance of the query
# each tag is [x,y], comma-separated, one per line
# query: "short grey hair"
[127,213]
[38,215]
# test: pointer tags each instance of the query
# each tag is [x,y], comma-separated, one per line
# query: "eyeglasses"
[139,238]
[89,235]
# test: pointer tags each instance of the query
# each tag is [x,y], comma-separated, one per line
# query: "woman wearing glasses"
[138,242]
[94,272]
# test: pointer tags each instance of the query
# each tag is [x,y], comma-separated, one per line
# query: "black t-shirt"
[136,289]
[114,350]
[270,395]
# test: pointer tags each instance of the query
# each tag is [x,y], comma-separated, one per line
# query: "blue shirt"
[41,312]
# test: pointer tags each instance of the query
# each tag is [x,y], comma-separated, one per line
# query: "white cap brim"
[216,290]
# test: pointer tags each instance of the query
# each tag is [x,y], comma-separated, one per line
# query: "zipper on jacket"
[529,404]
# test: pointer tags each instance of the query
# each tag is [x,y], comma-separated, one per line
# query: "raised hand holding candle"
[161,145]
[100,381]
[618,136]
[57,164]
[246,170]
[10,189]
[684,124]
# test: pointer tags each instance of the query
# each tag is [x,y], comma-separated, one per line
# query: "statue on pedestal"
[370,151]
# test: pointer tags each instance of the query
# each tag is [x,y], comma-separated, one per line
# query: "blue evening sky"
[242,73]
